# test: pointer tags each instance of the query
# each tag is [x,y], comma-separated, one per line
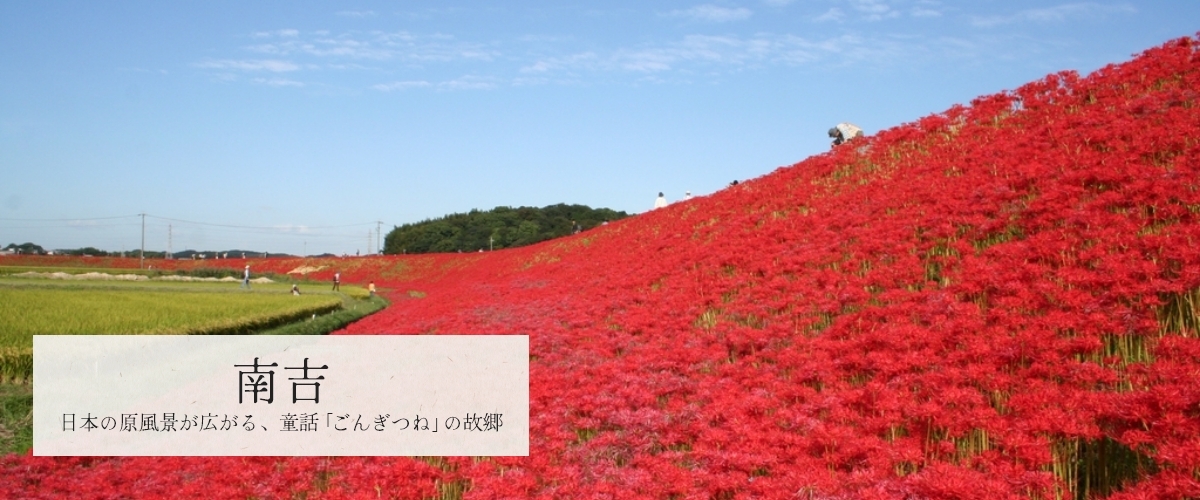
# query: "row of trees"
[501,227]
[34,249]
[25,248]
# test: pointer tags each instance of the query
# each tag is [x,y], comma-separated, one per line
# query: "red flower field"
[998,301]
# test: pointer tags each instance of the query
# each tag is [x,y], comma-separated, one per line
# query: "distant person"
[687,195]
[246,277]
[734,183]
[576,228]
[371,289]
[661,201]
[844,132]
[295,289]
[337,281]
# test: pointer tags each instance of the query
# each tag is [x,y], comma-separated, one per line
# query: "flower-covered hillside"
[996,301]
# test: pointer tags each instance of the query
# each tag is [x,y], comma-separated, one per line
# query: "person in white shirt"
[661,201]
[844,132]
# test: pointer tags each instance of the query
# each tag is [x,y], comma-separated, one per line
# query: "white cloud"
[272,65]
[278,82]
[357,13]
[286,33]
[389,87]
[778,3]
[346,47]
[713,13]
[833,14]
[1055,14]
[709,54]
[469,83]
[873,10]
[431,61]
[462,83]
[580,60]
[401,46]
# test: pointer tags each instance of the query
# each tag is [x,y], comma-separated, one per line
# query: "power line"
[274,228]
[85,226]
[78,218]
[101,231]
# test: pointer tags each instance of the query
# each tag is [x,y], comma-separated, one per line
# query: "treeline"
[501,227]
[34,249]
[25,248]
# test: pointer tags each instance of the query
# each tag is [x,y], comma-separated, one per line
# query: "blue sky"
[291,126]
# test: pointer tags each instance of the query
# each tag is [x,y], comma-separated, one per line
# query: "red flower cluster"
[999,301]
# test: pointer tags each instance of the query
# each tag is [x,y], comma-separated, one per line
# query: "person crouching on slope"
[844,132]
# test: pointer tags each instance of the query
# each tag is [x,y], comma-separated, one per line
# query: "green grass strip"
[352,310]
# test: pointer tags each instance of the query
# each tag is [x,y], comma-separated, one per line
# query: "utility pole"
[169,235]
[378,237]
[142,252]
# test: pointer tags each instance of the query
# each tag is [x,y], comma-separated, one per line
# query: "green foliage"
[26,248]
[16,418]
[16,364]
[501,227]
[352,310]
[215,272]
[92,251]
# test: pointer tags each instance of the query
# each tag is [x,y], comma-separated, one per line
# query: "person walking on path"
[295,289]
[246,277]
[371,289]
[661,202]
[844,132]
[337,280]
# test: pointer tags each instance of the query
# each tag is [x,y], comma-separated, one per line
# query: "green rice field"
[90,310]
[156,303]
[40,306]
